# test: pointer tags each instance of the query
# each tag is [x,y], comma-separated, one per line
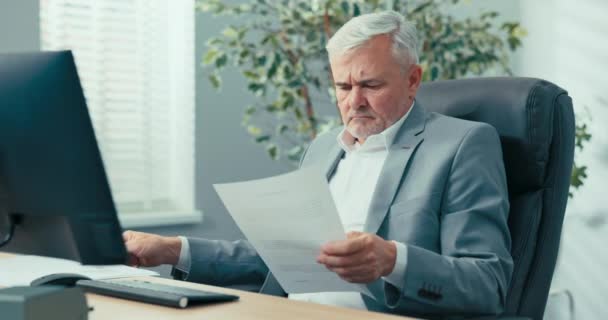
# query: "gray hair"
[357,31]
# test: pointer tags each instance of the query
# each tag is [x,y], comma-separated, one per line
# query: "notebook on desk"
[21,270]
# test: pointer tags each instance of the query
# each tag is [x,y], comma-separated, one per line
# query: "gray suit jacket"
[442,192]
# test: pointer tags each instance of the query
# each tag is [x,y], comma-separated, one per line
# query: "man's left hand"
[361,258]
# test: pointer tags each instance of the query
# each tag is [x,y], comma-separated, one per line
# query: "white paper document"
[22,270]
[287,218]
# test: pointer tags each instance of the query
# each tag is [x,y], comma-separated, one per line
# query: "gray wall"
[19,27]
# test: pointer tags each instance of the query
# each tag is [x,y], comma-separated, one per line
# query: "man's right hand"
[150,250]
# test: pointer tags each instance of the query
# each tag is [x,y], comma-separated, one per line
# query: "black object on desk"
[44,302]
[155,293]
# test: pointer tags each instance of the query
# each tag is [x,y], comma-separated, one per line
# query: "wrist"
[391,249]
[174,245]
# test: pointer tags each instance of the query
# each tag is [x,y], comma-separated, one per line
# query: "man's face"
[373,89]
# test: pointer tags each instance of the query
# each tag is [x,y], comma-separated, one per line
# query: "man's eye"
[344,88]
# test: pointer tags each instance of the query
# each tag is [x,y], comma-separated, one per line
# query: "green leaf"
[254,131]
[357,10]
[264,138]
[242,33]
[288,101]
[231,33]
[271,108]
[304,127]
[210,56]
[251,75]
[282,129]
[298,113]
[260,61]
[257,88]
[312,35]
[434,72]
[215,80]
[273,151]
[295,83]
[267,38]
[514,43]
[274,66]
[250,110]
[578,175]
[317,83]
[295,153]
[287,71]
[221,61]
[422,7]
[214,42]
[345,7]
[296,15]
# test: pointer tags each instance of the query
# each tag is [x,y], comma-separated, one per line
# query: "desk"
[249,306]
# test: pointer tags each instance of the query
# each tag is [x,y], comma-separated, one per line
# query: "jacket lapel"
[407,140]
[335,155]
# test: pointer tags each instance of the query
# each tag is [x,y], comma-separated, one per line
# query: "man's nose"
[357,98]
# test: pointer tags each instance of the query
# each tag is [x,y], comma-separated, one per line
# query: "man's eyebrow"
[362,82]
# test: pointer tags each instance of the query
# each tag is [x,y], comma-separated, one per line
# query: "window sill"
[160,218]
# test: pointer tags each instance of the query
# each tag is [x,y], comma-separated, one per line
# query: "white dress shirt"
[352,187]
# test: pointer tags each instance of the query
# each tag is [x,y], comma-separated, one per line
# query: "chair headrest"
[519,109]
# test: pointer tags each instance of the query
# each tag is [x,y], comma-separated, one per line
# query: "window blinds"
[135,59]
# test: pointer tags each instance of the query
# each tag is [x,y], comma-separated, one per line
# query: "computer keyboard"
[150,292]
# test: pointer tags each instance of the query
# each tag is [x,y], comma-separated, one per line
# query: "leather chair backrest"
[535,121]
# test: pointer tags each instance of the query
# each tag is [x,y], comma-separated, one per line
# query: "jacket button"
[429,295]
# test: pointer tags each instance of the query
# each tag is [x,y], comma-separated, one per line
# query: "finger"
[358,279]
[354,272]
[133,261]
[344,247]
[127,235]
[342,261]
[353,234]
[133,247]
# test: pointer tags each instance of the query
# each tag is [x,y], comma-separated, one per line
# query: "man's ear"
[414,78]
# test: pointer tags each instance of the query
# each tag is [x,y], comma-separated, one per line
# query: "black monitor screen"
[52,179]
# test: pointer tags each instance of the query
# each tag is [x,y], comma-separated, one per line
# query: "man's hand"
[150,250]
[361,258]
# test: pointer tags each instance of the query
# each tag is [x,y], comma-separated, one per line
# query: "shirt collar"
[375,142]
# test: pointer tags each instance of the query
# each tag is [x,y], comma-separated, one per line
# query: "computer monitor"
[53,187]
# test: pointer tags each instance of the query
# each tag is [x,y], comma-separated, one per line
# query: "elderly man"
[423,196]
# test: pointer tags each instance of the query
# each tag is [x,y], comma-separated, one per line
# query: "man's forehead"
[355,71]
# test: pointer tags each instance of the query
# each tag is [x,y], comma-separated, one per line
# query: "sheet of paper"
[21,270]
[287,218]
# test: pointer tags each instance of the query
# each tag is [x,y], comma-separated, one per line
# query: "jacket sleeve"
[234,264]
[471,274]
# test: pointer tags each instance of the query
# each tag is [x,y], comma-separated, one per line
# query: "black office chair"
[535,121]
